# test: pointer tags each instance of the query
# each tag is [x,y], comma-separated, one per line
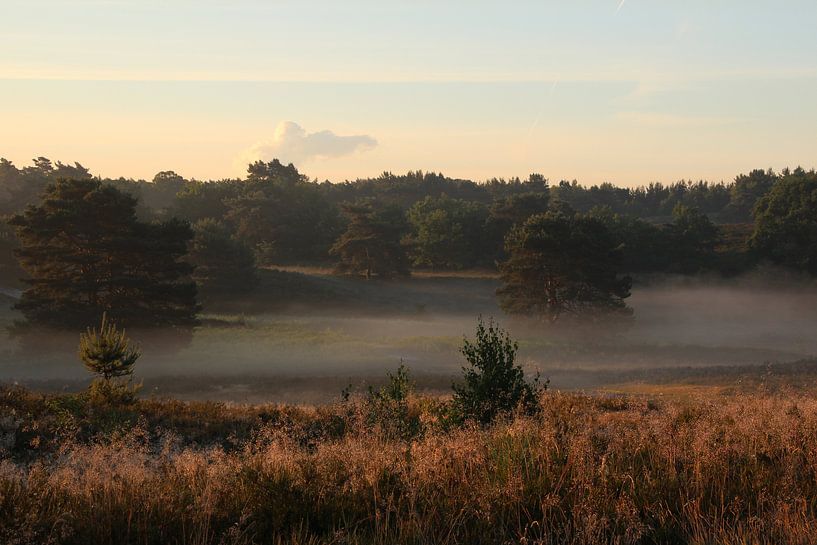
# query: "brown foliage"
[585,470]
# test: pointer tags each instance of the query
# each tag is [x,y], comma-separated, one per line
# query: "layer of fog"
[677,324]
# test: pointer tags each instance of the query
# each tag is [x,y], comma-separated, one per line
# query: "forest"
[280,217]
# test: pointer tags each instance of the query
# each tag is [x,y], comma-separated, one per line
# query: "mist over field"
[310,352]
[404,273]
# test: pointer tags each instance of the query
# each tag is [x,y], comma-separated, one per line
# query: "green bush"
[108,354]
[389,407]
[493,385]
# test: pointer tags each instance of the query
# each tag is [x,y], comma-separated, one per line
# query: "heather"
[702,468]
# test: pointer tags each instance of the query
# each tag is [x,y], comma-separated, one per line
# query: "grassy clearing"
[587,469]
[417,273]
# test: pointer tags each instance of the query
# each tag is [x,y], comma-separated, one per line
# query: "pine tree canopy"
[85,253]
[372,243]
[563,265]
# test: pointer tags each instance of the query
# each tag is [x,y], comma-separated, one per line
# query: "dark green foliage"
[745,193]
[406,189]
[372,243]
[283,216]
[447,233]
[644,247]
[18,189]
[657,201]
[692,239]
[275,170]
[583,199]
[86,253]
[733,254]
[505,213]
[200,200]
[686,246]
[108,352]
[10,272]
[517,208]
[223,265]
[160,194]
[563,265]
[786,222]
[455,224]
[493,385]
[21,187]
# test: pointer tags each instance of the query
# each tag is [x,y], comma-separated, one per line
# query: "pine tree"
[563,265]
[223,264]
[282,216]
[107,352]
[492,382]
[86,253]
[372,244]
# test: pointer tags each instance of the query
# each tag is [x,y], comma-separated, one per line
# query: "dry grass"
[587,469]
[418,273]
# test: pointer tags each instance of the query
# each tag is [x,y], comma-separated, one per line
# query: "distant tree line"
[164,245]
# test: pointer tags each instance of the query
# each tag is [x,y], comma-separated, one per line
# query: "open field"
[346,330]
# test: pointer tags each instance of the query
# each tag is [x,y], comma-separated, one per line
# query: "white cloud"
[292,144]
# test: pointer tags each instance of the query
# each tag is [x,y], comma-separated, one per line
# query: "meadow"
[696,423]
[700,468]
[305,335]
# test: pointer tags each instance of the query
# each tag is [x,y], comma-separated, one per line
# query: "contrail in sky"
[541,111]
[620,5]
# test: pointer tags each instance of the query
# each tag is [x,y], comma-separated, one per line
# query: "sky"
[621,91]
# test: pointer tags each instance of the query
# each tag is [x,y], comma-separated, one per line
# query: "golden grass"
[586,470]
[419,273]
[672,391]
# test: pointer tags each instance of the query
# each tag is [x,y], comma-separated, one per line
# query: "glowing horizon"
[606,91]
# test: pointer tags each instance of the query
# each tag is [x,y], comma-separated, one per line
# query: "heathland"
[254,398]
[700,467]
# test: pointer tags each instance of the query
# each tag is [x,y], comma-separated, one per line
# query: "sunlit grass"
[588,469]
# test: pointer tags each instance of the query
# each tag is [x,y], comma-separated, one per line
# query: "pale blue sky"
[597,90]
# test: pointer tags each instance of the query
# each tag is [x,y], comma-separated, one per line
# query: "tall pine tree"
[86,253]
[563,265]
[372,244]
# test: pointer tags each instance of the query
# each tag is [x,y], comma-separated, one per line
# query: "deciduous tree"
[786,222]
[282,216]
[448,233]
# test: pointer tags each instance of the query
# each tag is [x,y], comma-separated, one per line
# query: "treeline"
[154,250]
[724,203]
[447,223]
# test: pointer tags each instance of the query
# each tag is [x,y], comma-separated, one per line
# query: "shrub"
[389,407]
[492,384]
[111,392]
[108,354]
